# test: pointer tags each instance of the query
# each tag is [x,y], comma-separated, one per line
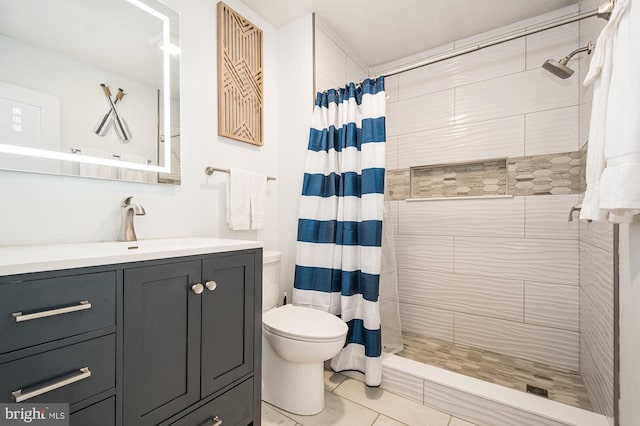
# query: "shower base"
[475,400]
[564,386]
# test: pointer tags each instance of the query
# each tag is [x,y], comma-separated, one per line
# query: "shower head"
[560,68]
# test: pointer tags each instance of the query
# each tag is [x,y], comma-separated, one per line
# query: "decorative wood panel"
[240,83]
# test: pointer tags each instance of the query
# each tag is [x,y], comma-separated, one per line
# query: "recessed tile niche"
[484,178]
[552,174]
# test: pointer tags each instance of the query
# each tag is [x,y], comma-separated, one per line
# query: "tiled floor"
[349,402]
[563,385]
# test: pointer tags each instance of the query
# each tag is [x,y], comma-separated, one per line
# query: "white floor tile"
[393,406]
[337,412]
[332,380]
[458,422]
[271,417]
[387,421]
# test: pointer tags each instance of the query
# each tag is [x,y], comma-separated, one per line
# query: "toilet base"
[293,387]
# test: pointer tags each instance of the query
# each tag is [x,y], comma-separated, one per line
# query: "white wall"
[335,64]
[51,209]
[500,274]
[629,324]
[295,106]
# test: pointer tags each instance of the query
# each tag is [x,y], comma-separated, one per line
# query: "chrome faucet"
[127,211]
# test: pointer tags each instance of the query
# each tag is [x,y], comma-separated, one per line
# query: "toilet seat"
[304,324]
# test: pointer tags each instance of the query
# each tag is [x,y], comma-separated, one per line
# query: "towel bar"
[209,171]
[576,208]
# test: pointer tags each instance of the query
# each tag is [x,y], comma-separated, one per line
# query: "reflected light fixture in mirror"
[167,47]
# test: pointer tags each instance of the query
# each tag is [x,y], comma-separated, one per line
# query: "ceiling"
[381,31]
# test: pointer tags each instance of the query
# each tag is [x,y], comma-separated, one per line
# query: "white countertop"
[38,258]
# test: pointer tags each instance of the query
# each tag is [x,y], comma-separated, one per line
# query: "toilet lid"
[302,323]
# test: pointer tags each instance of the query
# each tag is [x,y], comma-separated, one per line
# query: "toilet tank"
[270,278]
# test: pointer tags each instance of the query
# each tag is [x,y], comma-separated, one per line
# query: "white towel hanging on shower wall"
[613,157]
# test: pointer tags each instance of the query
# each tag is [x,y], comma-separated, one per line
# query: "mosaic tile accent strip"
[550,174]
[459,180]
[564,386]
[399,183]
[583,169]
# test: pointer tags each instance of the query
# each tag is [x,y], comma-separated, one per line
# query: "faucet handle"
[126,201]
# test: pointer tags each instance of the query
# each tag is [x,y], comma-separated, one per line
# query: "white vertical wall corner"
[335,63]
[629,324]
[295,106]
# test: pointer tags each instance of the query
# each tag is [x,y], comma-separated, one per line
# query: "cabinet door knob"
[211,285]
[197,288]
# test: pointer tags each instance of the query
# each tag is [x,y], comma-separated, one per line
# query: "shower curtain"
[338,255]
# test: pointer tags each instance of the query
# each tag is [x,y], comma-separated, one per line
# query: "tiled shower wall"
[596,269]
[496,273]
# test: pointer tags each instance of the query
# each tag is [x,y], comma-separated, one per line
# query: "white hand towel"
[258,200]
[238,200]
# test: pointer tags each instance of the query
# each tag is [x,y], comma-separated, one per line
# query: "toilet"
[296,341]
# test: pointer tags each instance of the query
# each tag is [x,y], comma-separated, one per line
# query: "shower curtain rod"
[604,11]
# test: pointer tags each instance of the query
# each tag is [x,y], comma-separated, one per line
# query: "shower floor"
[564,386]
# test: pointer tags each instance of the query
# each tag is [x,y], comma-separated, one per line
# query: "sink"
[37,258]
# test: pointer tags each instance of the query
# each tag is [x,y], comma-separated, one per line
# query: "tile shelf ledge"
[469,197]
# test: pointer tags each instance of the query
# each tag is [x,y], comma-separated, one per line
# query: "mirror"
[90,88]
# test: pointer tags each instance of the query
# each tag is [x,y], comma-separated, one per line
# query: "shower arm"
[588,48]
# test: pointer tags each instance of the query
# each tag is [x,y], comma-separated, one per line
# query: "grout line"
[474,314]
[454,106]
[278,410]
[526,51]
[428,129]
[524,301]
[524,224]
[376,419]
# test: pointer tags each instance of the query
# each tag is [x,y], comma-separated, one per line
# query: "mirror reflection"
[90,88]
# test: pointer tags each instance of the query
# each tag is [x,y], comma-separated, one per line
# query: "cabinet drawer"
[38,311]
[234,407]
[101,414]
[56,376]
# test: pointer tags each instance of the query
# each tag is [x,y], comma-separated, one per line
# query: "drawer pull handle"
[216,421]
[81,306]
[211,285]
[82,374]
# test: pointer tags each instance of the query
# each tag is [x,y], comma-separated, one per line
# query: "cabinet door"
[101,414]
[234,407]
[161,367]
[227,320]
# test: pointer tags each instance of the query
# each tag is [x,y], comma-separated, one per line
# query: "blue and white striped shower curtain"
[340,220]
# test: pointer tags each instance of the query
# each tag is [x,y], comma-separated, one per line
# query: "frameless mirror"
[90,88]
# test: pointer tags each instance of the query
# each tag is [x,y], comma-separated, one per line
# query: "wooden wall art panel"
[240,85]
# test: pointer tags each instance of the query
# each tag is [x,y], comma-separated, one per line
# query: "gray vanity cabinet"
[189,333]
[160,341]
